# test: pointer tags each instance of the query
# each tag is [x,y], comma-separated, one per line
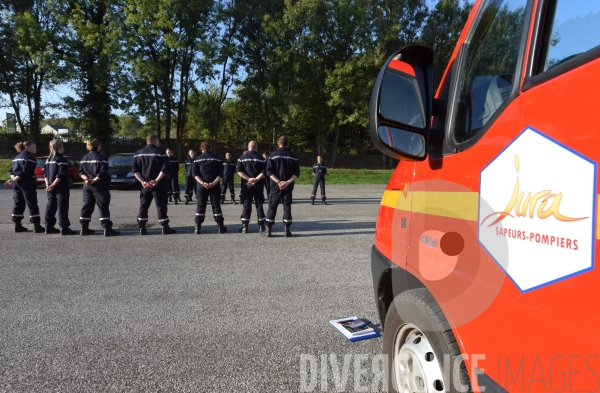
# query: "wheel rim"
[415,365]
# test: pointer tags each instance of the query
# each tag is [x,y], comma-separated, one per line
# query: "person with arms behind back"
[93,170]
[22,178]
[283,167]
[190,182]
[150,167]
[56,177]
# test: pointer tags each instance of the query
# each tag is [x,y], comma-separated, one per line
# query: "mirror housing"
[401,104]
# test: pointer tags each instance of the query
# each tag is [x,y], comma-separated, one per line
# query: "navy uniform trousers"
[25,194]
[275,197]
[215,201]
[249,194]
[96,194]
[159,194]
[58,199]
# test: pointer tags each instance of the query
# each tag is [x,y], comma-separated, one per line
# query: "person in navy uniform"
[173,177]
[190,182]
[56,177]
[267,180]
[283,167]
[93,169]
[151,166]
[22,179]
[208,171]
[251,167]
[228,172]
[319,171]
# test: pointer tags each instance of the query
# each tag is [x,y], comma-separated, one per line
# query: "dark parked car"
[73,170]
[119,169]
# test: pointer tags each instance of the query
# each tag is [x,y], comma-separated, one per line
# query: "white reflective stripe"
[208,159]
[198,214]
[94,162]
[287,220]
[85,218]
[62,163]
[104,218]
[164,219]
[142,219]
[37,215]
[251,159]
[269,220]
[24,159]
[17,215]
[245,219]
[220,214]
[261,219]
[150,155]
[286,157]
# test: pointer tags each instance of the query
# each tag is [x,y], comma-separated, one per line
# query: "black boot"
[85,229]
[222,227]
[19,227]
[143,231]
[67,231]
[197,229]
[261,229]
[266,233]
[108,231]
[223,199]
[176,198]
[167,230]
[233,200]
[323,202]
[312,201]
[287,232]
[170,198]
[37,228]
[244,228]
[187,199]
[50,230]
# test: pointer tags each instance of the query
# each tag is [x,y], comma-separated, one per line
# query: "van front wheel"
[420,346]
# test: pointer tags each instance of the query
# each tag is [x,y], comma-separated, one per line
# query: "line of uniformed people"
[150,166]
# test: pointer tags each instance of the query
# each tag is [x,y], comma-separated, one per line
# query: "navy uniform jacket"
[228,169]
[252,164]
[174,167]
[283,164]
[189,164]
[57,167]
[319,170]
[150,162]
[23,165]
[94,165]
[208,167]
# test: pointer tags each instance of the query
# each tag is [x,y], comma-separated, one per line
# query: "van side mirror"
[400,109]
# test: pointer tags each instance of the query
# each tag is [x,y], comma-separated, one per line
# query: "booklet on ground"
[354,328]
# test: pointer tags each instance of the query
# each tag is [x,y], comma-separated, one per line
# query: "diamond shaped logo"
[538,197]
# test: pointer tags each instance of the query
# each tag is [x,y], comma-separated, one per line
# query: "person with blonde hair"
[22,179]
[56,177]
[94,172]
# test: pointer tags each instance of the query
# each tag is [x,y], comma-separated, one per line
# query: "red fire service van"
[484,256]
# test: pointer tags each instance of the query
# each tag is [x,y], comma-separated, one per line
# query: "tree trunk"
[336,138]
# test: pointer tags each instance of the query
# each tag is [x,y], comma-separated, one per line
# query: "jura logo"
[547,203]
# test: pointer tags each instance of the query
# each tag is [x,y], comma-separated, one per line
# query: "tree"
[29,33]
[93,55]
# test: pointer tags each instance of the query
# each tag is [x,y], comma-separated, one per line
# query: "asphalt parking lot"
[186,312]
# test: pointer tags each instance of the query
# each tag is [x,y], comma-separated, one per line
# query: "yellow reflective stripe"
[462,205]
[598,218]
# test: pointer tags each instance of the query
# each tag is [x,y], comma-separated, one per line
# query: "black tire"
[418,308]
[71,182]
